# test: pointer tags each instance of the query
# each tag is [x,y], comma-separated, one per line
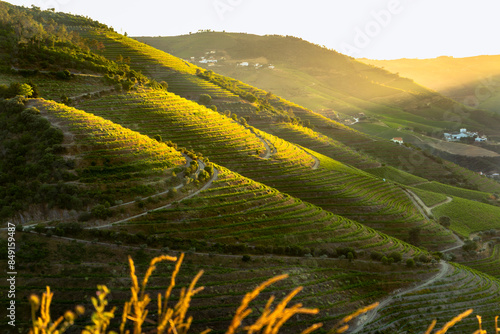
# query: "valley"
[114,150]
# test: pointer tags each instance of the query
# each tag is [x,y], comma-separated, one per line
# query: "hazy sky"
[379,29]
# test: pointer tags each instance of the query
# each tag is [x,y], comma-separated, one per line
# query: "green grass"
[428,197]
[396,175]
[454,191]
[469,216]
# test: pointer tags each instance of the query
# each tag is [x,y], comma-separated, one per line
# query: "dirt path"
[371,315]
[206,186]
[269,151]
[316,161]
[106,90]
[424,209]
[188,161]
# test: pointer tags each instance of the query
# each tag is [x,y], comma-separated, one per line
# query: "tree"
[205,99]
[410,263]
[25,90]
[396,256]
[445,221]
[469,245]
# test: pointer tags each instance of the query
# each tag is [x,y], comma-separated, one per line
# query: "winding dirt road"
[371,315]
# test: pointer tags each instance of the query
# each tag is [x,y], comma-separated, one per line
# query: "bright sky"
[377,29]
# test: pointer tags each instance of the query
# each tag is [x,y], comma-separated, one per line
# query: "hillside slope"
[322,79]
[474,81]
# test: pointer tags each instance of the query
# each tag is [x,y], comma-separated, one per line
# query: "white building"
[398,140]
[244,63]
[481,139]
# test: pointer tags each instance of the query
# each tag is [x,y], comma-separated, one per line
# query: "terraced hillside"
[457,289]
[259,188]
[123,163]
[335,286]
[322,144]
[309,176]
[167,66]
[257,219]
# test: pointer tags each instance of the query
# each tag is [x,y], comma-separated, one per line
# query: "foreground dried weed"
[172,320]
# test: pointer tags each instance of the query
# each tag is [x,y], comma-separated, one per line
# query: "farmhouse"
[462,134]
[398,140]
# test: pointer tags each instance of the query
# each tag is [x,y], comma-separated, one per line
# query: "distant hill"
[110,148]
[474,81]
[324,80]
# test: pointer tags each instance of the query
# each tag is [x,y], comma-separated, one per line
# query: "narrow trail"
[424,209]
[444,267]
[188,161]
[206,186]
[106,90]
[371,315]
[316,161]
[427,212]
[269,151]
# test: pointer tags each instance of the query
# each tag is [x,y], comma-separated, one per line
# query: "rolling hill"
[473,81]
[117,150]
[370,98]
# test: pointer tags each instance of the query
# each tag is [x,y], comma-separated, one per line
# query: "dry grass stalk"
[271,321]
[42,324]
[101,318]
[135,309]
[431,327]
[480,330]
[243,311]
[342,326]
[453,321]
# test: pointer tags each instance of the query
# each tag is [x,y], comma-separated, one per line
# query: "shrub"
[246,258]
[410,263]
[377,256]
[205,99]
[100,211]
[396,256]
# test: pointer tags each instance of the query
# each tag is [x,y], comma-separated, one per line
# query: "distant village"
[210,58]
[458,136]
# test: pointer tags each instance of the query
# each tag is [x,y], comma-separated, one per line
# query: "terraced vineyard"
[332,186]
[396,175]
[336,287]
[461,288]
[53,89]
[191,87]
[455,191]
[236,210]
[428,197]
[322,144]
[489,265]
[469,216]
[144,57]
[109,154]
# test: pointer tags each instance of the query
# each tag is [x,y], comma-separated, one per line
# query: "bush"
[100,211]
[410,263]
[396,256]
[205,99]
[246,258]
[376,256]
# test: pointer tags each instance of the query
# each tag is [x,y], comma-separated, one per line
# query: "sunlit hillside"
[260,214]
